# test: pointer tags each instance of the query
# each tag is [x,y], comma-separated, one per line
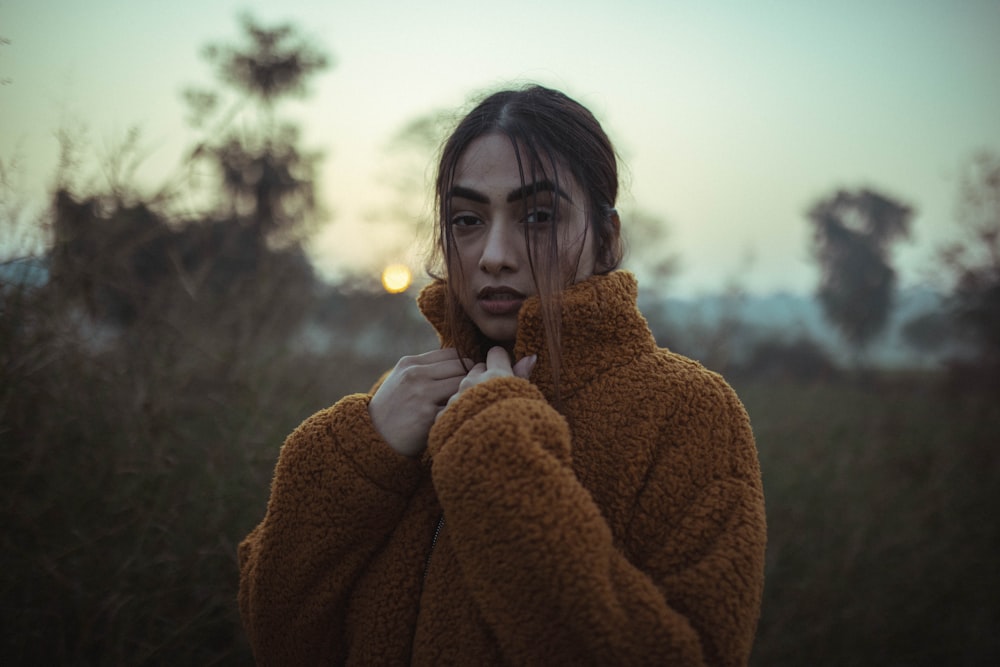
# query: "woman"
[549,487]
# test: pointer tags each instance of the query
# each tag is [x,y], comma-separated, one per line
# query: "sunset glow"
[396,278]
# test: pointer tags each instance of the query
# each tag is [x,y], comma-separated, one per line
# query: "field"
[131,470]
[883,534]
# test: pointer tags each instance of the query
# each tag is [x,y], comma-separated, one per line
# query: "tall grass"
[133,461]
[881,502]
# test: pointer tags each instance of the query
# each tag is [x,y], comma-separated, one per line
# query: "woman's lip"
[501,292]
[501,304]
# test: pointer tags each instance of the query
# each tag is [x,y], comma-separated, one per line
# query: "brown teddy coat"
[628,530]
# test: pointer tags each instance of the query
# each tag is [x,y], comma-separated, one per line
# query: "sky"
[732,118]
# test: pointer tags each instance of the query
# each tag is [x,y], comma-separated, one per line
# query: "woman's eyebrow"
[534,188]
[526,190]
[468,193]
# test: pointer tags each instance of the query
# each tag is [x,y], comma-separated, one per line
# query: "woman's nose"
[502,248]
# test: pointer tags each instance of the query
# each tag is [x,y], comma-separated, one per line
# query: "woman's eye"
[464,221]
[539,216]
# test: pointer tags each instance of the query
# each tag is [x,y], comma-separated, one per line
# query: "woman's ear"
[609,251]
[616,222]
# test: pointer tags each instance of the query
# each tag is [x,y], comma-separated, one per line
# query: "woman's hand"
[497,366]
[409,400]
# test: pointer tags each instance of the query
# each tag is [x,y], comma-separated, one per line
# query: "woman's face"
[490,209]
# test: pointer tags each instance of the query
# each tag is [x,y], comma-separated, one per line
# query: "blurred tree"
[102,259]
[120,253]
[268,180]
[852,234]
[974,262]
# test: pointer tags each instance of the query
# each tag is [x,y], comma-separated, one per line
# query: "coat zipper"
[423,581]
[437,533]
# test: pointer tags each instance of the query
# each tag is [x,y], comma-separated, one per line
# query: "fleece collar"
[601,329]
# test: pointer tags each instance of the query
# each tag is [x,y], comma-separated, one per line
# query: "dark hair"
[553,131]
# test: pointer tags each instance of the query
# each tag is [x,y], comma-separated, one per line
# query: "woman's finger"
[498,359]
[525,365]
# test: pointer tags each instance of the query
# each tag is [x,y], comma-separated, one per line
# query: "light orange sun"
[396,278]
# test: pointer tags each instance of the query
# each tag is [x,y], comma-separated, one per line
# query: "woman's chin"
[499,332]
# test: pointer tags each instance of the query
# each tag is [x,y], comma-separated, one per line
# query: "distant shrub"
[802,360]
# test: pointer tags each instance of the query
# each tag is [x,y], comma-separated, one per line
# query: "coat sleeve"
[541,560]
[338,491]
